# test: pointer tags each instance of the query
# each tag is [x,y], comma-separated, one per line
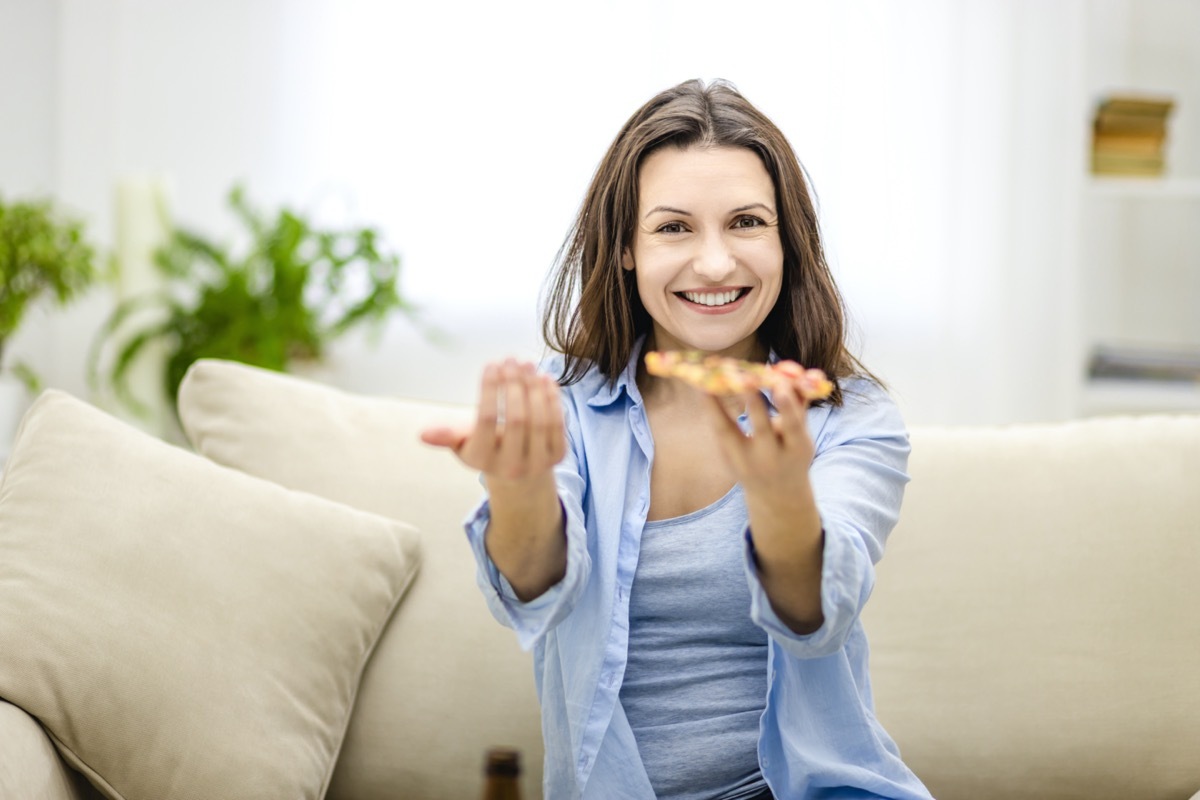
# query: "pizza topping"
[724,376]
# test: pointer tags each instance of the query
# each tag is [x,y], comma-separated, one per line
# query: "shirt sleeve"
[531,620]
[858,477]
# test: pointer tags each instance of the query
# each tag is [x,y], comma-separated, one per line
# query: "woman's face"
[706,253]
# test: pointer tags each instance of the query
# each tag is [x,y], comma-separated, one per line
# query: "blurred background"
[948,142]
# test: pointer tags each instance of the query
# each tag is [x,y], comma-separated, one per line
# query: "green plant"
[281,298]
[42,253]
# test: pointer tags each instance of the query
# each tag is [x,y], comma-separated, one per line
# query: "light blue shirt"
[818,734]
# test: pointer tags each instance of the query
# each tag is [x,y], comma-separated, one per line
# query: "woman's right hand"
[518,436]
[518,432]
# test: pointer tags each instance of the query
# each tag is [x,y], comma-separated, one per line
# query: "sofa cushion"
[180,629]
[1035,623]
[30,766]
[447,681]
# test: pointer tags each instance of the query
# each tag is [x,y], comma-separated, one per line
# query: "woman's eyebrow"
[668,210]
[763,206]
[680,211]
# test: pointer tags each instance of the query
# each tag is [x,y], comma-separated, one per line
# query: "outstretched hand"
[518,431]
[773,462]
[518,436]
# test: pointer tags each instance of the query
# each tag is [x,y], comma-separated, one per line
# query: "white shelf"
[1167,187]
[1116,396]
[1134,274]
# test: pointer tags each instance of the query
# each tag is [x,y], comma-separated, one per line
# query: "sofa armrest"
[30,767]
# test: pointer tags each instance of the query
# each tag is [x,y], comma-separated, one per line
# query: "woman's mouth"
[714,301]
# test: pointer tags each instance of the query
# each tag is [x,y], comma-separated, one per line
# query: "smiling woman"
[691,565]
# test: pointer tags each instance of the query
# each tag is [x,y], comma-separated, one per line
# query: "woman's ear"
[627,260]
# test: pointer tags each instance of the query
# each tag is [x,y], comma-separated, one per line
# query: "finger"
[550,436]
[480,447]
[538,415]
[514,436]
[558,431]
[452,438]
[793,417]
[762,438]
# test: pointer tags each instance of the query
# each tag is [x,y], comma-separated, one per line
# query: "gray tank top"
[696,679]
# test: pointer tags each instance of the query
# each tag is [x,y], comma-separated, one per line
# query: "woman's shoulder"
[553,364]
[868,409]
[864,390]
[592,387]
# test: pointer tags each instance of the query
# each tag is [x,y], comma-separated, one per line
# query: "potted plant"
[43,255]
[278,300]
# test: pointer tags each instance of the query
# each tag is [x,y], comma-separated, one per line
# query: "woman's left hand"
[774,459]
[772,466]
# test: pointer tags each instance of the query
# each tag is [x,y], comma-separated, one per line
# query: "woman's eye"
[671,227]
[747,222]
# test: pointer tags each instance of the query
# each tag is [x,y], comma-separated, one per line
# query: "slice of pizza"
[724,376]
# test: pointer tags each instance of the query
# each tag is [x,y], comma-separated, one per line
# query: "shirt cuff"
[529,619]
[847,575]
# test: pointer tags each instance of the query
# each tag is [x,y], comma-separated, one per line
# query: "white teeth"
[712,298]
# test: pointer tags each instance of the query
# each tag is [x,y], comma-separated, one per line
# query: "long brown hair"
[593,313]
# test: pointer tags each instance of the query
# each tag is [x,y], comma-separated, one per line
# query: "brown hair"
[807,323]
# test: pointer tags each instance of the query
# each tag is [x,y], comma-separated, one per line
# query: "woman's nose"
[714,260]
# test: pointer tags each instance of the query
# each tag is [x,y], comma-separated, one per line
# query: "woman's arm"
[517,438]
[772,466]
[854,480]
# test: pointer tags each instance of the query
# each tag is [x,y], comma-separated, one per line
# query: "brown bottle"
[502,773]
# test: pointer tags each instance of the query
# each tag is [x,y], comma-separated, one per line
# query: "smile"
[711,299]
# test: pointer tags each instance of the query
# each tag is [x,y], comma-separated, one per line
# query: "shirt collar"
[606,393]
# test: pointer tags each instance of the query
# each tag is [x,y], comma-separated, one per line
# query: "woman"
[690,570]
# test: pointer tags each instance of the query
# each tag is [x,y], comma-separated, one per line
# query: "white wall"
[28,121]
[28,53]
[942,139]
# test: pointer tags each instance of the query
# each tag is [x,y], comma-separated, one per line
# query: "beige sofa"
[1035,627]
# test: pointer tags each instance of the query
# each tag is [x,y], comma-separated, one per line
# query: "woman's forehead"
[672,175]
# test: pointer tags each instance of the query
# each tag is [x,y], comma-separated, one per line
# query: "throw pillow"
[447,681]
[180,629]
